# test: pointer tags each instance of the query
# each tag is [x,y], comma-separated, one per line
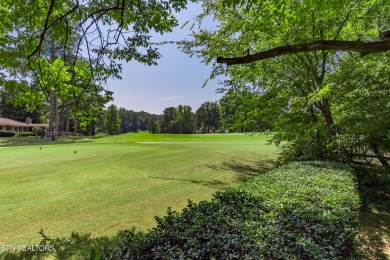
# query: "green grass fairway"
[137,138]
[146,137]
[115,183]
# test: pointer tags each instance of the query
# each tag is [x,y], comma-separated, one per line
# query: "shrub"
[38,131]
[305,210]
[25,134]
[7,133]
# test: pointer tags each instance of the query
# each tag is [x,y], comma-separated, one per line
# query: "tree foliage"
[310,99]
[184,119]
[68,48]
[179,120]
[243,110]
[20,112]
[132,121]
[168,120]
[360,26]
[112,121]
[103,31]
[250,29]
[207,117]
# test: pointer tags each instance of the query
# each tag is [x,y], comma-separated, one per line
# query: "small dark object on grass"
[40,147]
[75,151]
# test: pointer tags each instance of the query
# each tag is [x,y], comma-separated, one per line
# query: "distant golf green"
[106,184]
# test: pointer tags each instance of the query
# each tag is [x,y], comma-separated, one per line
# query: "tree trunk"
[67,121]
[93,127]
[61,119]
[380,157]
[75,126]
[325,111]
[56,115]
[52,112]
[53,102]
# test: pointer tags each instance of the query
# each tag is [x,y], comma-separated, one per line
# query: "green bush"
[7,133]
[25,134]
[305,210]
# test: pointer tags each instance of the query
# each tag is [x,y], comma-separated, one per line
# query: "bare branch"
[322,45]
[47,26]
[341,26]
[43,34]
[66,39]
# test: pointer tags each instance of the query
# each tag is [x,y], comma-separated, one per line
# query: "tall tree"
[183,123]
[19,112]
[122,31]
[207,117]
[112,121]
[240,110]
[361,104]
[290,19]
[35,32]
[125,118]
[169,117]
[297,91]
[154,126]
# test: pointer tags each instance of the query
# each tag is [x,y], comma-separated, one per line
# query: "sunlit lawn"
[107,184]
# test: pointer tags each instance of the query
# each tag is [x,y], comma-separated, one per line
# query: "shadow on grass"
[243,171]
[77,246]
[212,183]
[374,221]
[374,232]
[30,141]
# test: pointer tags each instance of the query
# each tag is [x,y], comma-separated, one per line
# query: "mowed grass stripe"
[222,137]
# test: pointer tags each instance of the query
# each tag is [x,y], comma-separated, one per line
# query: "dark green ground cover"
[299,211]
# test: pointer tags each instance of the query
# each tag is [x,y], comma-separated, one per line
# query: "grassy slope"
[135,138]
[108,186]
[145,137]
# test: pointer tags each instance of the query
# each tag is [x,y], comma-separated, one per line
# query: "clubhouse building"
[12,125]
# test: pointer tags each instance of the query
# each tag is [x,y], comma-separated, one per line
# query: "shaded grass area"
[107,187]
[374,221]
[32,140]
[374,230]
[242,171]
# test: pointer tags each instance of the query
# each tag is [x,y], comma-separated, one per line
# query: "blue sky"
[177,79]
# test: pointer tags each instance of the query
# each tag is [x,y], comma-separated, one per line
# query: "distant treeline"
[210,117]
[227,114]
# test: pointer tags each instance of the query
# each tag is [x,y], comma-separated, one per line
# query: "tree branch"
[322,45]
[47,27]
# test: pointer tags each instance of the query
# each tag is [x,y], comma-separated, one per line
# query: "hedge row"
[7,133]
[24,134]
[305,210]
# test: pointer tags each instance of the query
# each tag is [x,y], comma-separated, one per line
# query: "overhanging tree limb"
[355,46]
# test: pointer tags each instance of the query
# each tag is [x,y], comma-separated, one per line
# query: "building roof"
[10,122]
[41,125]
